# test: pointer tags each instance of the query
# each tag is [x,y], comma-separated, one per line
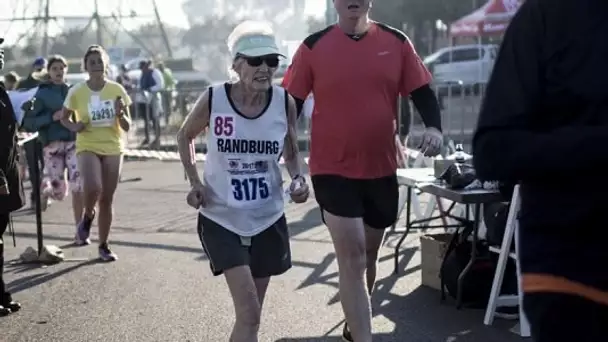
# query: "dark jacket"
[146,81]
[49,99]
[28,83]
[9,173]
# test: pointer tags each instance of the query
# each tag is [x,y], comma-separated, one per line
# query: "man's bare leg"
[348,235]
[247,306]
[373,241]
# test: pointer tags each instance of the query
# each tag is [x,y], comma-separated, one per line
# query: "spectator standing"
[11,191]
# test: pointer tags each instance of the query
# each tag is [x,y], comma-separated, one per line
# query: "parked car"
[462,66]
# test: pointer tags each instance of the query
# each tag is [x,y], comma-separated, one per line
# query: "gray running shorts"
[267,254]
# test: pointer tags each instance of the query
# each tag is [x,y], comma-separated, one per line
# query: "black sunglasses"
[271,60]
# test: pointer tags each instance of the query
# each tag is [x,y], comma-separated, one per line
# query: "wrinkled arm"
[291,153]
[195,123]
[506,145]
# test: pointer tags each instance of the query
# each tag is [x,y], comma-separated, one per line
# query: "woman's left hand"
[119,106]
[298,190]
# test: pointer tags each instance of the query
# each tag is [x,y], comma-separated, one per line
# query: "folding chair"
[496,299]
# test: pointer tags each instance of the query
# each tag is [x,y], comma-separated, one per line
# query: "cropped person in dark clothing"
[34,147]
[11,80]
[11,191]
[544,125]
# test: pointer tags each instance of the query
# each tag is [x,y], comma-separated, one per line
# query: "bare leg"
[110,166]
[373,241]
[89,166]
[77,205]
[247,305]
[348,236]
[261,285]
[75,180]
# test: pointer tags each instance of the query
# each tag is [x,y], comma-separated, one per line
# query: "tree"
[209,39]
[420,15]
[315,24]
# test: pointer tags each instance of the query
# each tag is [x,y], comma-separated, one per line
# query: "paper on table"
[18,98]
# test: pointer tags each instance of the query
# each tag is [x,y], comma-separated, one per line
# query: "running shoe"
[106,254]
[83,231]
[346,336]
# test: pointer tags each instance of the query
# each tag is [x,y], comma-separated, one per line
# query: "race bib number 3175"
[248,190]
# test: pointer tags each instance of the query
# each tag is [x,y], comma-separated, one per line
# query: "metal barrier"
[460,104]
[168,113]
[157,117]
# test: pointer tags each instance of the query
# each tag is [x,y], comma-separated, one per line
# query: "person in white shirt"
[241,221]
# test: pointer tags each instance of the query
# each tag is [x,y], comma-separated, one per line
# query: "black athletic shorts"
[267,254]
[374,200]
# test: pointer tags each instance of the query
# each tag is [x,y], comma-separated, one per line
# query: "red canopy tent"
[491,19]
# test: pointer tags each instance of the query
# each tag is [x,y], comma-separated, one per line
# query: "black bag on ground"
[477,285]
[495,217]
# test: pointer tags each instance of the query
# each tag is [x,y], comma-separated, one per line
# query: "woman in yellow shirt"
[97,110]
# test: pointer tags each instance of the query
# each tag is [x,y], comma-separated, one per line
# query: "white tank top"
[241,170]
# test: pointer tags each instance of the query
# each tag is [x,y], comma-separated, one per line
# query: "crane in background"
[40,23]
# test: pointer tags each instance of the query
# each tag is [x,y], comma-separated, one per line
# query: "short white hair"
[248,28]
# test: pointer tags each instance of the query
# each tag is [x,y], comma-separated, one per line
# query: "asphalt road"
[161,288]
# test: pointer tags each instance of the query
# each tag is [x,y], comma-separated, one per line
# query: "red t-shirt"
[356,86]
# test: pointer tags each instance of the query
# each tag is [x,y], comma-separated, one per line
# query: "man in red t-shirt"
[356,71]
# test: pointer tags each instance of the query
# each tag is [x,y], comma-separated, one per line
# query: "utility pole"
[45,40]
[163,33]
[98,24]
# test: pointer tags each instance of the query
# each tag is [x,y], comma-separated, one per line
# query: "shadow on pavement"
[311,219]
[312,339]
[121,243]
[29,281]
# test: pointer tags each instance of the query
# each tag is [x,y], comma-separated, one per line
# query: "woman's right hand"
[77,127]
[196,196]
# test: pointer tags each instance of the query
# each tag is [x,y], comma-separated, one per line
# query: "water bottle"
[460,155]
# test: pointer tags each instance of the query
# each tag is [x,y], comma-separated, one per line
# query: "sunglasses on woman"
[272,61]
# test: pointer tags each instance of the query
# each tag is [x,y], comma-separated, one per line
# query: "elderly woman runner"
[241,221]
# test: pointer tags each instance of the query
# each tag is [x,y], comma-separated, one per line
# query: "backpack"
[477,285]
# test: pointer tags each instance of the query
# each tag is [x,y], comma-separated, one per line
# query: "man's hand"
[432,141]
[196,196]
[4,190]
[299,190]
[58,115]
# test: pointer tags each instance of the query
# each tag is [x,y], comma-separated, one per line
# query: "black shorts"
[267,254]
[556,317]
[374,200]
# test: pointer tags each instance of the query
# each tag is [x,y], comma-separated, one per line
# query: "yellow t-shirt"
[95,109]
